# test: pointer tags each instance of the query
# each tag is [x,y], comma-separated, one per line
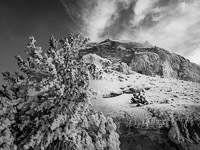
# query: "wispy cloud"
[177,30]
[95,16]
[142,9]
[101,17]
[171,24]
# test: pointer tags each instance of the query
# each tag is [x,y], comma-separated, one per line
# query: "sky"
[171,24]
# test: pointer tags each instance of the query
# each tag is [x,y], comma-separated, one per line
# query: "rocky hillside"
[146,59]
[150,112]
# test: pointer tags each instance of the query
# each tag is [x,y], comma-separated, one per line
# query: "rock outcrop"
[98,65]
[169,109]
[146,59]
[168,116]
[161,130]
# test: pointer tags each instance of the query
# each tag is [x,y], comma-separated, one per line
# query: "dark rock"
[163,130]
[145,139]
[129,91]
[113,94]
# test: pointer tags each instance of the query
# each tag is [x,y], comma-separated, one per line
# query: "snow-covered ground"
[163,93]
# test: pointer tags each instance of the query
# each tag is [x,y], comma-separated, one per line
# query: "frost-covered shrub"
[49,107]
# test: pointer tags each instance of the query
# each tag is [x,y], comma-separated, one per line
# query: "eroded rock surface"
[147,60]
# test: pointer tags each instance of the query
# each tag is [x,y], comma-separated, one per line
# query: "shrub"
[48,107]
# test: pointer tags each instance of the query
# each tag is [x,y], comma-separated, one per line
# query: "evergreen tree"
[48,108]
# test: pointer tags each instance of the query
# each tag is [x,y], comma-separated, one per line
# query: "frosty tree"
[48,107]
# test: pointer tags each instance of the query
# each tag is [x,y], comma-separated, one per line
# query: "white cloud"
[194,56]
[100,18]
[141,9]
[174,31]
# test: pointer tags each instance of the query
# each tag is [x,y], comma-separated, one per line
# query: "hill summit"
[146,59]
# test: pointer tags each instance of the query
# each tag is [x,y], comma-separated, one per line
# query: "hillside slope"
[169,121]
[146,59]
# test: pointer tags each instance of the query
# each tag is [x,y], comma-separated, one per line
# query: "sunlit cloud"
[178,32]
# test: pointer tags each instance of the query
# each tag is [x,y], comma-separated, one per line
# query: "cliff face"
[147,60]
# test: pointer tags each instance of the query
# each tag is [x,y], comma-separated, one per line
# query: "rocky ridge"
[146,59]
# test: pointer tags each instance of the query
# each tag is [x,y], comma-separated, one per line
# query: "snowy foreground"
[163,94]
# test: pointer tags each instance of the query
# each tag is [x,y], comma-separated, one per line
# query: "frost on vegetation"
[57,115]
